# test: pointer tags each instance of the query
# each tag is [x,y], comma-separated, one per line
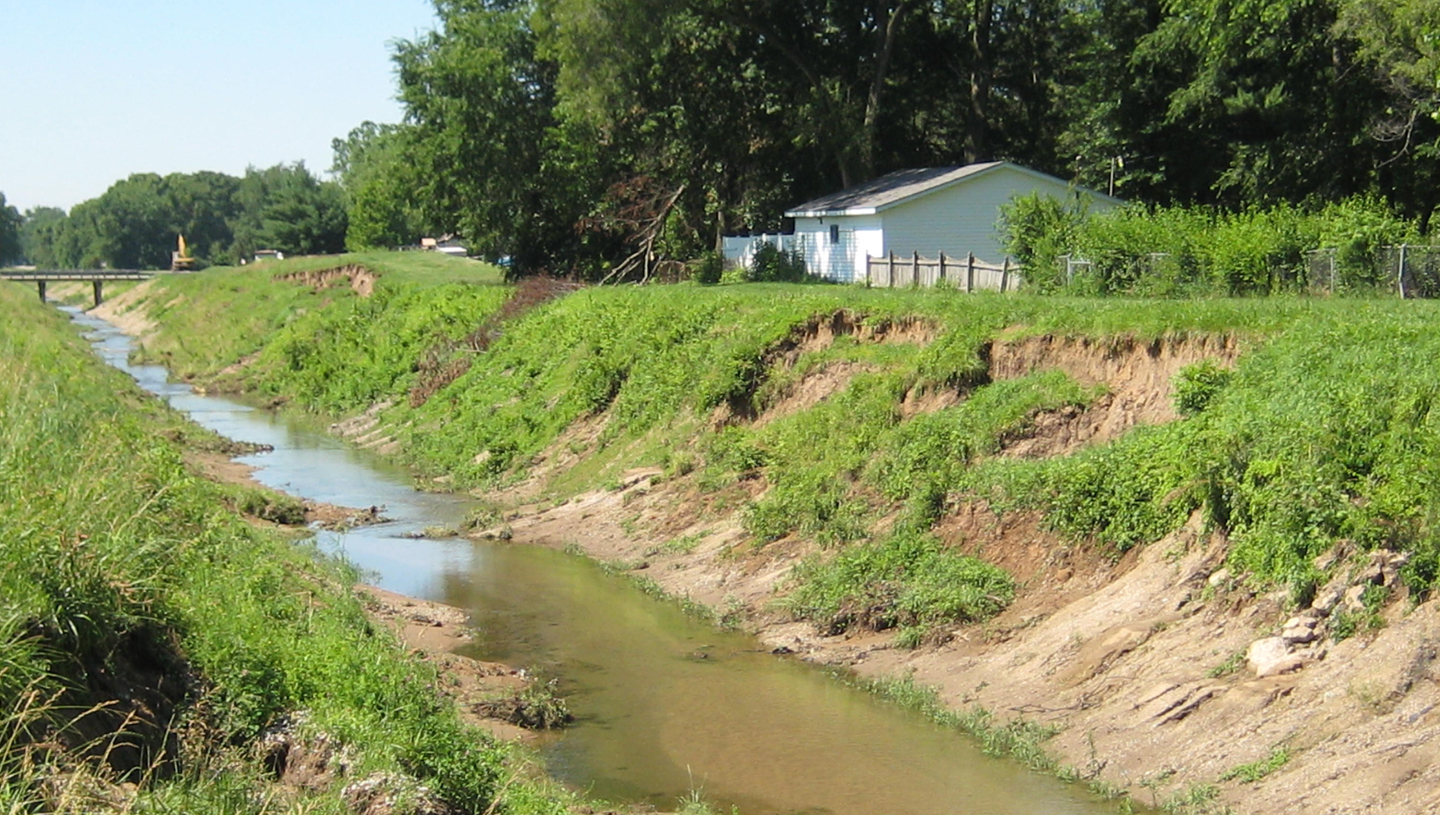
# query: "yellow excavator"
[181,261]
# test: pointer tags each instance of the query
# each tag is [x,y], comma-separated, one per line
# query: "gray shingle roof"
[887,190]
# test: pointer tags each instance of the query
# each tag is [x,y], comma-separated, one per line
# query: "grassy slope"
[1325,432]
[120,563]
[217,317]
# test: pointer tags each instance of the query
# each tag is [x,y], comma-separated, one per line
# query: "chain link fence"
[1405,271]
[1402,271]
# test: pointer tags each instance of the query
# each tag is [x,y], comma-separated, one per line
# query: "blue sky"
[91,92]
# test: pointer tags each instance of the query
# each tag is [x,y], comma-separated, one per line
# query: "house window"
[834,233]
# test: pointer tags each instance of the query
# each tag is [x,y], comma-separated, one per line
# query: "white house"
[927,211]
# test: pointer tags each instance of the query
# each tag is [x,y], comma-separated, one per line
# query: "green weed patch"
[905,580]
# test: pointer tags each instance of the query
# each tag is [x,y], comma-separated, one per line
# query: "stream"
[664,704]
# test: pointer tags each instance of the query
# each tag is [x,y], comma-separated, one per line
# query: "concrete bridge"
[97,278]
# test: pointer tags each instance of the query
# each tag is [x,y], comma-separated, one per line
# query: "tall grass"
[128,578]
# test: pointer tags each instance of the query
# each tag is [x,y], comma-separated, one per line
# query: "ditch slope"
[1193,540]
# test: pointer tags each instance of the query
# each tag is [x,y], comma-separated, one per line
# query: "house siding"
[844,260]
[962,218]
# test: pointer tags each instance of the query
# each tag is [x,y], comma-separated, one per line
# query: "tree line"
[611,138]
[225,219]
[606,136]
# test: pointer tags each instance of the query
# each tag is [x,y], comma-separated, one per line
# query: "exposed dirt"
[219,467]
[434,631]
[812,389]
[1138,378]
[366,430]
[1141,662]
[129,311]
[358,278]
[818,334]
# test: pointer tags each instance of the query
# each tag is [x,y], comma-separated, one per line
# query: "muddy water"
[664,705]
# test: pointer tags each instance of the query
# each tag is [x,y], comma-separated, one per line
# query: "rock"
[1219,578]
[1293,662]
[1374,570]
[1390,571]
[1299,629]
[1329,597]
[1299,636]
[390,794]
[1171,703]
[1266,656]
[1352,597]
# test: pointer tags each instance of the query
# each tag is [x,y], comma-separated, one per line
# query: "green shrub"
[1196,385]
[907,579]
[709,269]
[771,264]
[1190,251]
[1038,230]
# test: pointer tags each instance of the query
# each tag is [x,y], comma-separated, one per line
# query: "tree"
[480,102]
[38,235]
[10,223]
[381,187]
[1400,41]
[286,208]
[202,206]
[133,224]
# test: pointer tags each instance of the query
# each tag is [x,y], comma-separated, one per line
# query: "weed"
[1346,623]
[1256,770]
[732,614]
[1196,385]
[906,579]
[1197,799]
[1232,663]
[1020,739]
[682,545]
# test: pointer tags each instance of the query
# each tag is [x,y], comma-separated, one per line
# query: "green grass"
[1017,738]
[903,580]
[216,317]
[121,563]
[1323,432]
[1256,770]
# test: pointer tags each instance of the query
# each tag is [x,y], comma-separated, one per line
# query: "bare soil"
[129,311]
[358,278]
[1141,663]
[434,631]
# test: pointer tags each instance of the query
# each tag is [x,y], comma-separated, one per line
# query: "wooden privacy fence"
[967,274]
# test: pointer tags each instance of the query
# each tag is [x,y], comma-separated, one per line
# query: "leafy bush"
[1189,251]
[907,579]
[1038,230]
[709,269]
[1196,385]
[773,265]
